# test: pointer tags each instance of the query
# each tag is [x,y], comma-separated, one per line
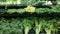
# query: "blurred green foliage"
[2,0]
[11,26]
[16,25]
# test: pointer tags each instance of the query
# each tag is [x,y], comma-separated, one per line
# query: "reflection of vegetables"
[48,29]
[27,25]
[30,9]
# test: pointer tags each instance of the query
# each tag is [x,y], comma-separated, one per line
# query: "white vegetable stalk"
[49,27]
[48,31]
[37,32]
[27,26]
[8,1]
[26,30]
[38,27]
[18,1]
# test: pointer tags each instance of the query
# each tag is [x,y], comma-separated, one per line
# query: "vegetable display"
[29,16]
[31,9]
[38,26]
[27,23]
[16,26]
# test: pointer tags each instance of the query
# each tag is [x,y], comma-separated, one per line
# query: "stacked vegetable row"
[31,9]
[17,25]
[23,2]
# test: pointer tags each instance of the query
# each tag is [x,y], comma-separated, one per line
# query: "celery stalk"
[48,31]
[27,30]
[37,26]
[27,25]
[37,30]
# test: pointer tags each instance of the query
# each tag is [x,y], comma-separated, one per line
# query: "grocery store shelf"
[46,14]
[12,6]
[21,6]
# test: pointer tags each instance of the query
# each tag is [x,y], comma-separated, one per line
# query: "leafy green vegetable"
[38,26]
[49,27]
[20,10]
[11,11]
[27,23]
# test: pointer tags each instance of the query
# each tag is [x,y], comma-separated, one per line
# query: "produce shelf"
[26,14]
[22,6]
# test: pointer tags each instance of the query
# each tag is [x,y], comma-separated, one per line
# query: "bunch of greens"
[20,10]
[38,25]
[49,26]
[42,10]
[53,9]
[27,23]
[56,8]
[16,25]
[45,23]
[57,24]
[10,11]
